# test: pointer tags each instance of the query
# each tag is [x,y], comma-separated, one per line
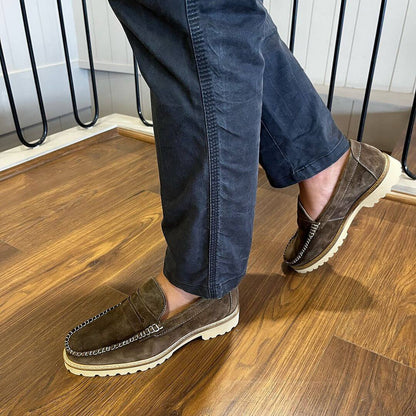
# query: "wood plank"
[401,197]
[388,270]
[108,238]
[280,346]
[147,138]
[7,252]
[105,234]
[15,170]
[350,380]
[39,357]
[83,187]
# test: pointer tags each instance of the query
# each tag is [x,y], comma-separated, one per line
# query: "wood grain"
[15,170]
[350,380]
[401,197]
[7,251]
[83,229]
[133,134]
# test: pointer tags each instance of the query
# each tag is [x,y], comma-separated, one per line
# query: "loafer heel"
[222,328]
[392,177]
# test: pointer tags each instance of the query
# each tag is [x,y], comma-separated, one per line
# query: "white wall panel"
[303,29]
[390,44]
[405,65]
[110,47]
[315,38]
[101,30]
[362,44]
[280,11]
[319,40]
[47,45]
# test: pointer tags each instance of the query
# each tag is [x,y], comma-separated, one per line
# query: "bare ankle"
[315,192]
[177,299]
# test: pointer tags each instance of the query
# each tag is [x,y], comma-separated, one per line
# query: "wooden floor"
[81,230]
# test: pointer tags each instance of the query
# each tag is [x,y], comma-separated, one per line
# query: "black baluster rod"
[37,86]
[69,70]
[372,69]
[408,140]
[136,81]
[336,54]
[293,25]
[35,79]
[13,107]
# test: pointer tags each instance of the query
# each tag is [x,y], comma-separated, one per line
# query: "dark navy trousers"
[226,94]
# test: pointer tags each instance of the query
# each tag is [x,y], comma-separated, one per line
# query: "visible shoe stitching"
[139,317]
[335,219]
[368,170]
[152,329]
[311,234]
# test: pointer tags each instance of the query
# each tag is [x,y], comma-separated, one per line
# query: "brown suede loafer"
[131,337]
[367,177]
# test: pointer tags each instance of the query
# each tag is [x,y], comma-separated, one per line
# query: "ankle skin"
[315,192]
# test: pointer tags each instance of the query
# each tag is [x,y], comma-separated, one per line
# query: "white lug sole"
[391,178]
[210,331]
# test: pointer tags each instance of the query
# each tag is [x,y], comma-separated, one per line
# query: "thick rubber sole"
[207,332]
[368,200]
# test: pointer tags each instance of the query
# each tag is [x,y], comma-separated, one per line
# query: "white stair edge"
[406,186]
[21,154]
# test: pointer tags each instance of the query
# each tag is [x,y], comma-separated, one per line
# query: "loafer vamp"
[119,323]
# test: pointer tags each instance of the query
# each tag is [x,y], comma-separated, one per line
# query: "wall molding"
[108,66]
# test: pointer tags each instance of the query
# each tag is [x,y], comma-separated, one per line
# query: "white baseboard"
[21,154]
[406,186]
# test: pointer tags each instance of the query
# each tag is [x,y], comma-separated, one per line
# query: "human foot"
[176,299]
[315,192]
[132,336]
[367,177]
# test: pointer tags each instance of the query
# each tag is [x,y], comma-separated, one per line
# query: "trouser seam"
[205,82]
[277,146]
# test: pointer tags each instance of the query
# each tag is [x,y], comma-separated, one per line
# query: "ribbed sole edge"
[207,332]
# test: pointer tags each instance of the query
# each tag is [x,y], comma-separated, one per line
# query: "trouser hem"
[212,292]
[314,167]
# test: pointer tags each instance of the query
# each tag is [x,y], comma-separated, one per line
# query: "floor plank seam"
[373,352]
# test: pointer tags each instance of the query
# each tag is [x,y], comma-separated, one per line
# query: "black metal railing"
[75,109]
[68,65]
[343,4]
[36,81]
[364,110]
[137,85]
[408,138]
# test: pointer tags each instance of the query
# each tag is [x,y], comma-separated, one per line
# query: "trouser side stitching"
[205,82]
